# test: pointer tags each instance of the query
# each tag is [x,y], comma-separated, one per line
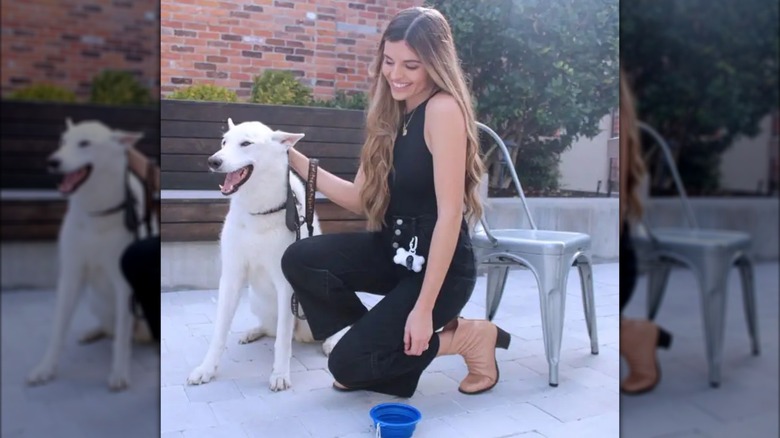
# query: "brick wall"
[68,42]
[328,44]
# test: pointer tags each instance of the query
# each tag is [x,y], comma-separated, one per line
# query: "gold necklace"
[403,133]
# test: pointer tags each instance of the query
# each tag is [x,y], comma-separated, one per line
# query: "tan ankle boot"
[475,340]
[638,342]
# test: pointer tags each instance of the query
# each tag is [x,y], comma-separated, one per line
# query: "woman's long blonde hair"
[427,32]
[632,167]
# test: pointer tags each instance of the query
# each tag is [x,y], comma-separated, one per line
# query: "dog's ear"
[126,138]
[231,125]
[286,138]
[68,122]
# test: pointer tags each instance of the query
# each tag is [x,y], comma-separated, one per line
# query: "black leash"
[132,221]
[295,221]
[127,205]
[311,189]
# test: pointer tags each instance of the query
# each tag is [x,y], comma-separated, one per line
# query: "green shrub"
[116,87]
[44,92]
[207,92]
[279,88]
[358,100]
[344,100]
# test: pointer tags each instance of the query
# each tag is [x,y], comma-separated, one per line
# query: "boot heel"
[664,338]
[503,339]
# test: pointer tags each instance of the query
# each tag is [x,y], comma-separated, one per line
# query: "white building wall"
[587,162]
[746,163]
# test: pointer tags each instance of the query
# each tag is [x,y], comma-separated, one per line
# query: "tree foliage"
[703,72]
[543,73]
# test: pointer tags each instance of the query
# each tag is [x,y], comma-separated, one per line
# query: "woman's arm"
[139,164]
[445,127]
[342,192]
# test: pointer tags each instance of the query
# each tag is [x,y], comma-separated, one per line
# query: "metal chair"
[549,255]
[710,254]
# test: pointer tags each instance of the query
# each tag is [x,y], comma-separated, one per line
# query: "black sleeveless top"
[412,209]
[411,182]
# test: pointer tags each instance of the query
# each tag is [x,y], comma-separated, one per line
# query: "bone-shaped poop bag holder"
[409,258]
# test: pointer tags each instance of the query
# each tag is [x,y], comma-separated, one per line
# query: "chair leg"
[588,302]
[657,279]
[748,295]
[713,294]
[552,296]
[496,280]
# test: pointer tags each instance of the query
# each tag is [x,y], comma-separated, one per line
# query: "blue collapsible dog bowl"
[395,420]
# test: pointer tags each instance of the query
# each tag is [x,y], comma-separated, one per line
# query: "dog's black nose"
[214,162]
[53,163]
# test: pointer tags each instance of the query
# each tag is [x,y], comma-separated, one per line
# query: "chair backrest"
[667,153]
[510,165]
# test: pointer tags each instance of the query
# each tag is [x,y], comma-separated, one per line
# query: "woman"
[638,338]
[141,260]
[417,186]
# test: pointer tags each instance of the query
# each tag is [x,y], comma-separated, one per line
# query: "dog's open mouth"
[73,180]
[235,179]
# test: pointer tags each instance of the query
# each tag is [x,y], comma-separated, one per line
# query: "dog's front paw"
[201,374]
[118,380]
[40,374]
[280,381]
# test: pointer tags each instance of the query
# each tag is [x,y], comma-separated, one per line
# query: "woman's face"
[405,73]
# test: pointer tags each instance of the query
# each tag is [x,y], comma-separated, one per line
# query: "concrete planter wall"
[195,265]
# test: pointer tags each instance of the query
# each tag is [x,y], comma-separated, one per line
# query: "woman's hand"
[418,331]
[139,164]
[343,193]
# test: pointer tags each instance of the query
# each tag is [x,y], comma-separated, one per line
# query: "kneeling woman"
[417,185]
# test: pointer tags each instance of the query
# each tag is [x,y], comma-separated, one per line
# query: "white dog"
[93,160]
[252,243]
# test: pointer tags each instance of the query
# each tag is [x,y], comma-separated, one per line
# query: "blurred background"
[87,61]
[705,79]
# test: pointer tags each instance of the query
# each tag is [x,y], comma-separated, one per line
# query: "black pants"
[628,267]
[141,267]
[325,271]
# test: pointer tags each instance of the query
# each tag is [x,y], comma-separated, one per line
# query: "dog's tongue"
[231,179]
[70,180]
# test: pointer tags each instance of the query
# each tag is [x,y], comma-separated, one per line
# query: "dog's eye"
[246,143]
[83,143]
